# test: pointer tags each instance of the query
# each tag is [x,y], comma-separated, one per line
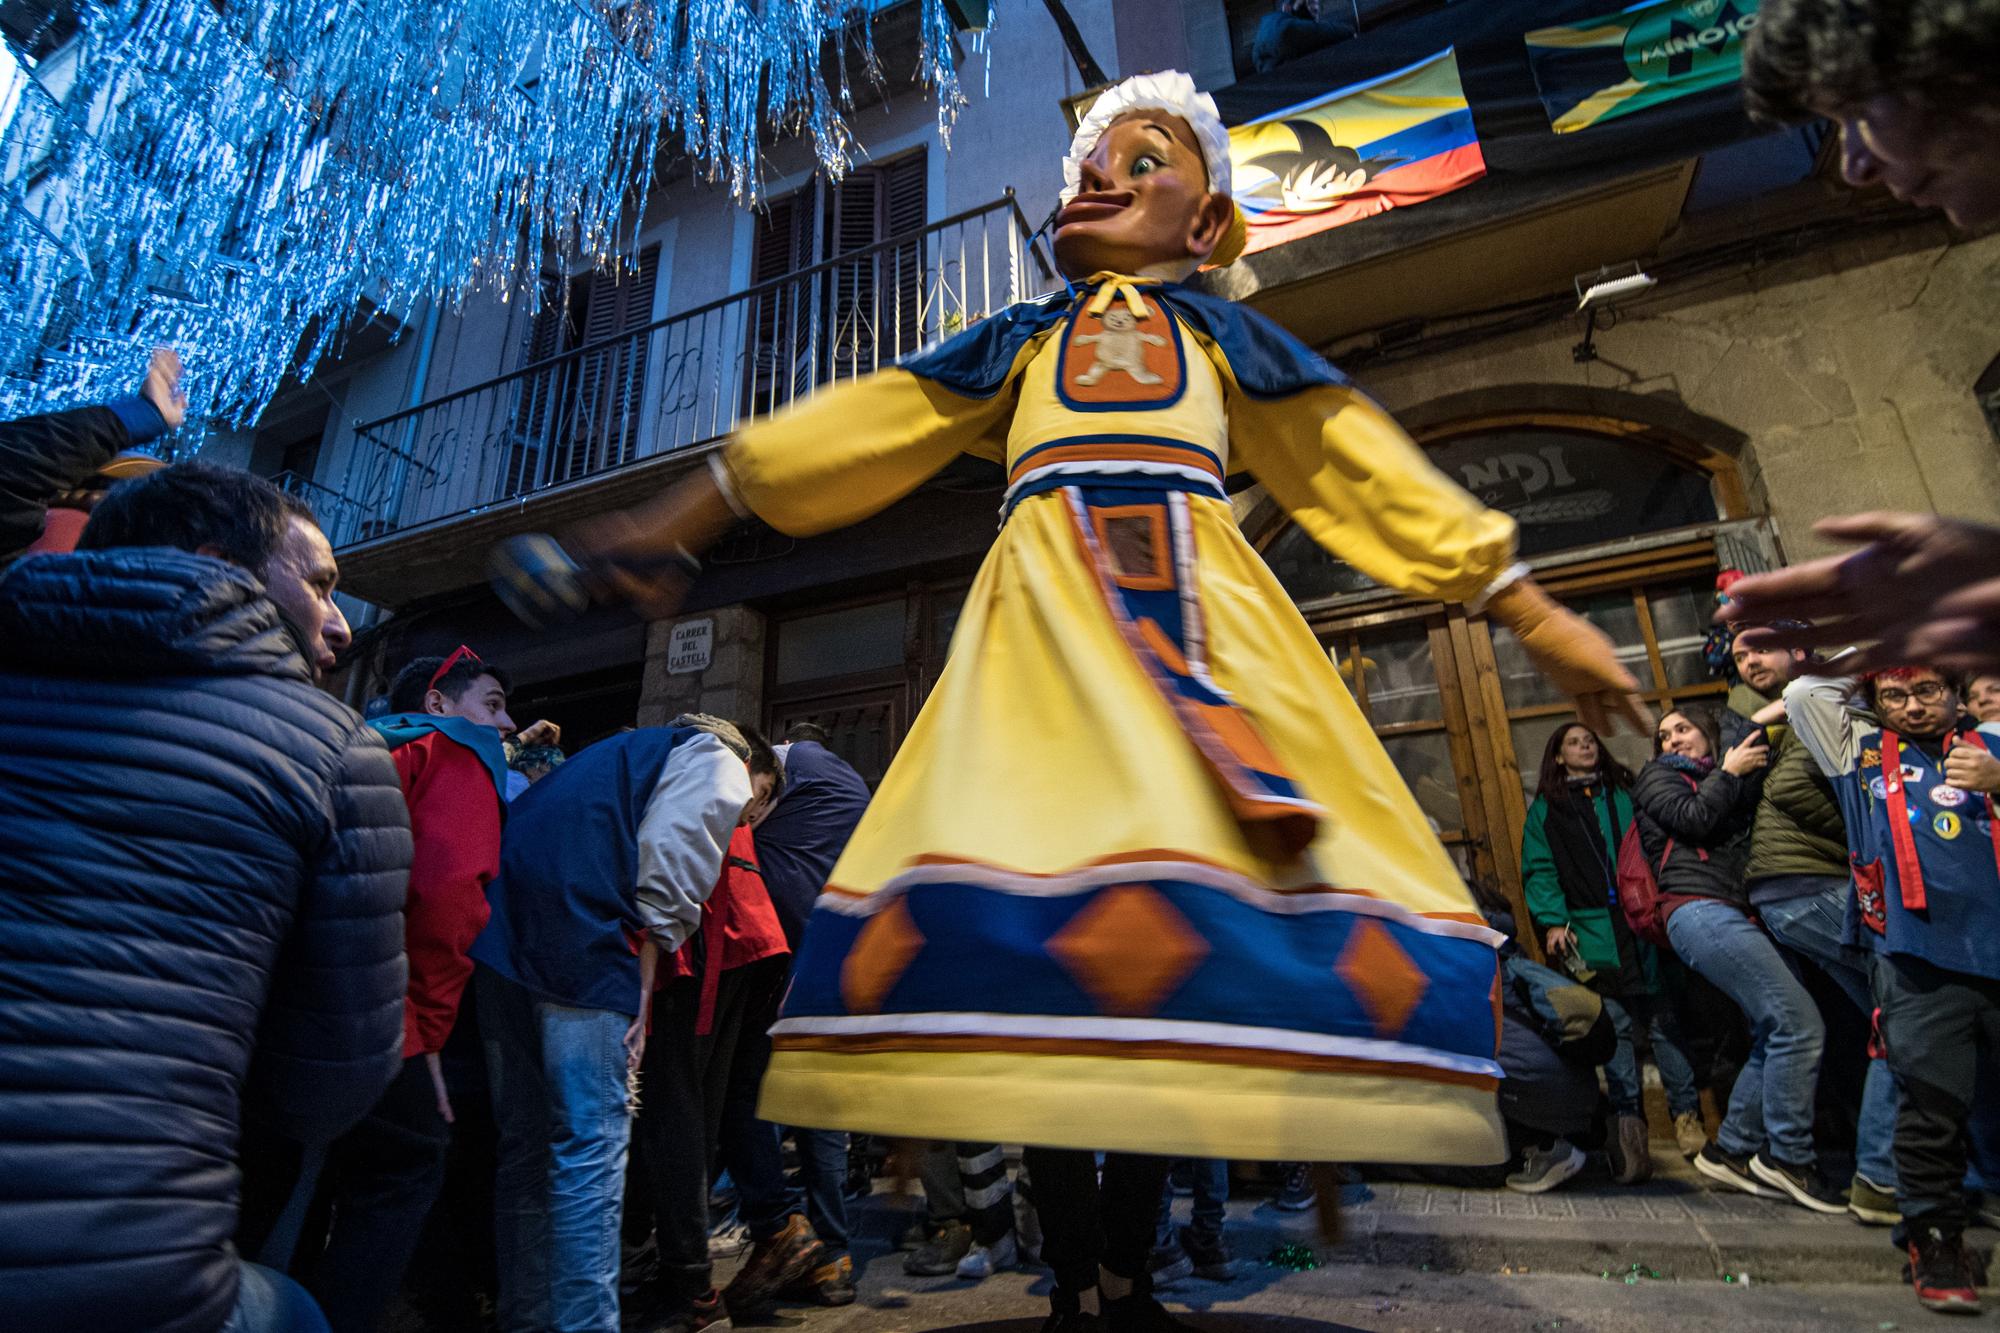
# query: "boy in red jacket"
[444,733]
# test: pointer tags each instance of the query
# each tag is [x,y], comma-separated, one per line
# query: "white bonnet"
[1170,91]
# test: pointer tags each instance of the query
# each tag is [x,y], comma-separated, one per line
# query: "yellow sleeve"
[1363,489]
[857,448]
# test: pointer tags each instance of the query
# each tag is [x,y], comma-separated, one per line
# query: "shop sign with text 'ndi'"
[690,647]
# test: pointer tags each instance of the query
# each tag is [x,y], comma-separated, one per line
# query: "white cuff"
[727,485]
[1505,579]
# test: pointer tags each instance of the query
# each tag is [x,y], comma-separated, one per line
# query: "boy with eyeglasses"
[1916,784]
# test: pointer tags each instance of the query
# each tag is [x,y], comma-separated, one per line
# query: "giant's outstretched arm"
[1363,489]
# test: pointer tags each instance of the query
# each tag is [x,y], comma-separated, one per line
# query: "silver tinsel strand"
[236,177]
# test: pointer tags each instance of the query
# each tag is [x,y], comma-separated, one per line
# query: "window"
[1658,628]
[581,414]
[856,302]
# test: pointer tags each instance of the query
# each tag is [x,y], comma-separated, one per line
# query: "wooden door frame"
[1478,730]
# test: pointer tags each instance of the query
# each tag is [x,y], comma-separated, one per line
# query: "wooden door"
[1465,717]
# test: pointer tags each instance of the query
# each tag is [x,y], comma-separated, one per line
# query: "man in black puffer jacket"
[203,861]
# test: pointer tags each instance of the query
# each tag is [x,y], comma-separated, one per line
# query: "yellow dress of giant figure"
[1140,877]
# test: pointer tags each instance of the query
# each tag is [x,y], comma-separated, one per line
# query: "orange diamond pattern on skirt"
[1130,949]
[882,952]
[1377,970]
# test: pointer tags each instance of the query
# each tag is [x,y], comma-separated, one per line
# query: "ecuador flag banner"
[1361,150]
[1651,53]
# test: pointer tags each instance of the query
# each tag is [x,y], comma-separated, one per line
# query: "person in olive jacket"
[1799,883]
[1695,805]
[1569,861]
[202,867]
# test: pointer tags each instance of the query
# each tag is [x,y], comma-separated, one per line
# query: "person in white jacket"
[603,866]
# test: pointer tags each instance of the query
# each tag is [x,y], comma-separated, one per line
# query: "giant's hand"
[1574,654]
[642,557]
[1922,588]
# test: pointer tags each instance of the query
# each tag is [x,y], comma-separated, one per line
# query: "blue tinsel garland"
[234,178]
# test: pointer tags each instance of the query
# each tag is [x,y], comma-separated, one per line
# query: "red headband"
[458,654]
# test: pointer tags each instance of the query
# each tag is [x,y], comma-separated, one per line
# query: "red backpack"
[1638,889]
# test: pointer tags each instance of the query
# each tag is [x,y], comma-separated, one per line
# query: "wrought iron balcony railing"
[685,380]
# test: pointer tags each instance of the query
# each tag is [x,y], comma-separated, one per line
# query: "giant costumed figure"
[1140,878]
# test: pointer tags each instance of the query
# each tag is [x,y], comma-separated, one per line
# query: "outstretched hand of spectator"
[543,732]
[162,387]
[1576,656]
[1921,588]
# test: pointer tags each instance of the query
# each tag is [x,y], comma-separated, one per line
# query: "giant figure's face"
[1143,201]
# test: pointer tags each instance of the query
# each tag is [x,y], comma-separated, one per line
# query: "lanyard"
[1909,870]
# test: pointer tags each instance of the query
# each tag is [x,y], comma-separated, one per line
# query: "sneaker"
[915,1234]
[939,1255]
[1210,1255]
[1872,1204]
[1630,1161]
[1296,1195]
[708,1313]
[1725,1169]
[1542,1169]
[1690,1133]
[1169,1264]
[1139,1313]
[1942,1272]
[831,1283]
[773,1265]
[728,1241]
[983,1261]
[1801,1184]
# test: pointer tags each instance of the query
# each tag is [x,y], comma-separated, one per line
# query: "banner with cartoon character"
[1654,52]
[1361,150]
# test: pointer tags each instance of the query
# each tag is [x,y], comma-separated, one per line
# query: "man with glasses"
[1915,786]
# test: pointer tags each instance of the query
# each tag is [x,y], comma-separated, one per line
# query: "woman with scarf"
[1694,808]
[1569,862]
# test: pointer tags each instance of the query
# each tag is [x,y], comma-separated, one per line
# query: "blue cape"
[1267,361]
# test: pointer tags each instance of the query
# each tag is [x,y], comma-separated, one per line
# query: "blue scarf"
[1700,768]
[399,729]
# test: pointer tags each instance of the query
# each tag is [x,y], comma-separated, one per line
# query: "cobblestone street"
[1591,1256]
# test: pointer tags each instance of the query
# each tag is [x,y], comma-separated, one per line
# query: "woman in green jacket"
[1569,868]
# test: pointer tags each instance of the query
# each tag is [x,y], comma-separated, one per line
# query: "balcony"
[579,423]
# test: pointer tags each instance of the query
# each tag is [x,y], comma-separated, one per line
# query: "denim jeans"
[1621,1071]
[1211,1201]
[558,1082]
[1773,1100]
[269,1302]
[823,1173]
[1809,925]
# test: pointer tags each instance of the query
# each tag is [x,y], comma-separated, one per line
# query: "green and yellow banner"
[1652,53]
